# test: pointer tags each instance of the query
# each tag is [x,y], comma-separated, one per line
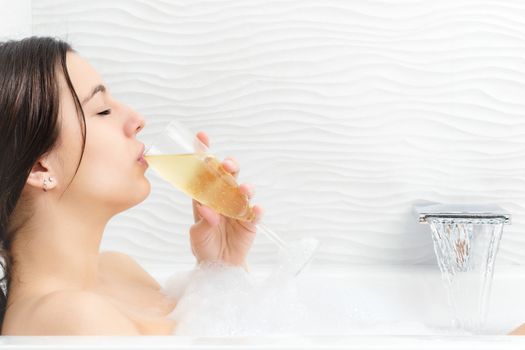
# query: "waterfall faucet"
[466,239]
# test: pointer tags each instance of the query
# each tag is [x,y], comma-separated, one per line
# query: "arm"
[518,331]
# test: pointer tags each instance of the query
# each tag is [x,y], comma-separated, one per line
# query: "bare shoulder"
[68,312]
[124,266]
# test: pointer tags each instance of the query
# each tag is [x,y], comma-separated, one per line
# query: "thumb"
[209,219]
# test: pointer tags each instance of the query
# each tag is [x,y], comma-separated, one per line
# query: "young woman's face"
[110,177]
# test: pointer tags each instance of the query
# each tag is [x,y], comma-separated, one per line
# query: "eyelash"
[106,112]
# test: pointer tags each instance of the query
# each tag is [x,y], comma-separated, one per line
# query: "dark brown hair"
[29,126]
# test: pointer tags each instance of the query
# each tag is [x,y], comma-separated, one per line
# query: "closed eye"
[106,112]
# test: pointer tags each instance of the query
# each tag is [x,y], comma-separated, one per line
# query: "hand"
[215,237]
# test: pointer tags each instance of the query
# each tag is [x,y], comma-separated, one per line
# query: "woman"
[69,161]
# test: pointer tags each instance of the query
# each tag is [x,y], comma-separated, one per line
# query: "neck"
[58,248]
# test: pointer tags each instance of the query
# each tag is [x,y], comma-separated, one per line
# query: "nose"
[135,122]
[141,125]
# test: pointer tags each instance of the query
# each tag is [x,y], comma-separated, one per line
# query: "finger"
[196,215]
[258,214]
[247,189]
[231,165]
[210,216]
[203,137]
[200,231]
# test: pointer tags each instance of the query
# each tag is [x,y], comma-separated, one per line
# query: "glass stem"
[273,236]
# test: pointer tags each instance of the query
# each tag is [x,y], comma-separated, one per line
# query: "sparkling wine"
[201,176]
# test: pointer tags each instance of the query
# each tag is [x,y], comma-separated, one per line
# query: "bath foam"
[216,299]
[220,299]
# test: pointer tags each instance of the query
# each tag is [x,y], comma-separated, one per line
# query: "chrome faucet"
[473,212]
[466,239]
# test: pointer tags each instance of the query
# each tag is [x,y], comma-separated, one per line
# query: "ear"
[39,172]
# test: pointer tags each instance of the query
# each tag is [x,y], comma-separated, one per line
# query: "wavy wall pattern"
[342,113]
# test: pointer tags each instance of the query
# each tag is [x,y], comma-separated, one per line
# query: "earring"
[49,179]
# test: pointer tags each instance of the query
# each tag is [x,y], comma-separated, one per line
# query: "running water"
[466,249]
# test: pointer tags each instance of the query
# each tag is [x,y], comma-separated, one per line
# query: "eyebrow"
[98,88]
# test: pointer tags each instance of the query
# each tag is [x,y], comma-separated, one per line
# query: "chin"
[144,190]
[139,193]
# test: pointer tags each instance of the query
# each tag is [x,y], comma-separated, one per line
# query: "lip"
[141,158]
[141,153]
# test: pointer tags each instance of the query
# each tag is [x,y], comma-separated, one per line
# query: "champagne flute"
[185,162]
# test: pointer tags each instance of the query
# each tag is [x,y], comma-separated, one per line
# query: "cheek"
[104,164]
[108,176]
[113,179]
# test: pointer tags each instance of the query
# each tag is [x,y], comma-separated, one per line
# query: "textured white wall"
[343,113]
[15,19]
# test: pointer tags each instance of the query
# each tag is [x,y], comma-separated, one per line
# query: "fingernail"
[230,165]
